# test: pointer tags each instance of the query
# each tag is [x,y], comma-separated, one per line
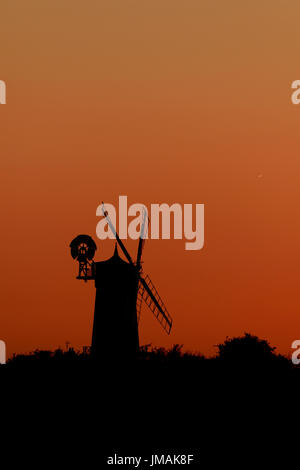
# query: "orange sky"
[164,101]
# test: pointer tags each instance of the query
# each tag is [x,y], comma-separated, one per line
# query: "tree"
[246,350]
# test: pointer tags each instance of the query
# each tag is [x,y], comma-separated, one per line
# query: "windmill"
[121,289]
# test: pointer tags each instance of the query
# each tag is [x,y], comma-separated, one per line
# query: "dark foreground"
[230,411]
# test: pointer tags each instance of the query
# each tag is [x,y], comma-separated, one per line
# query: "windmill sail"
[146,289]
[112,228]
[139,302]
[143,234]
[152,298]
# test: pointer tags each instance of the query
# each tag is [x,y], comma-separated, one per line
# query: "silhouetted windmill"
[121,288]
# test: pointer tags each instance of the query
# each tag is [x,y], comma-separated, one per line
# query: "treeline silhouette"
[245,354]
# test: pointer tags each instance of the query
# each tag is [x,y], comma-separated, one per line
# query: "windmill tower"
[121,289]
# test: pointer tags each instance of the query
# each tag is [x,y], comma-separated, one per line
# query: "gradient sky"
[163,101]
